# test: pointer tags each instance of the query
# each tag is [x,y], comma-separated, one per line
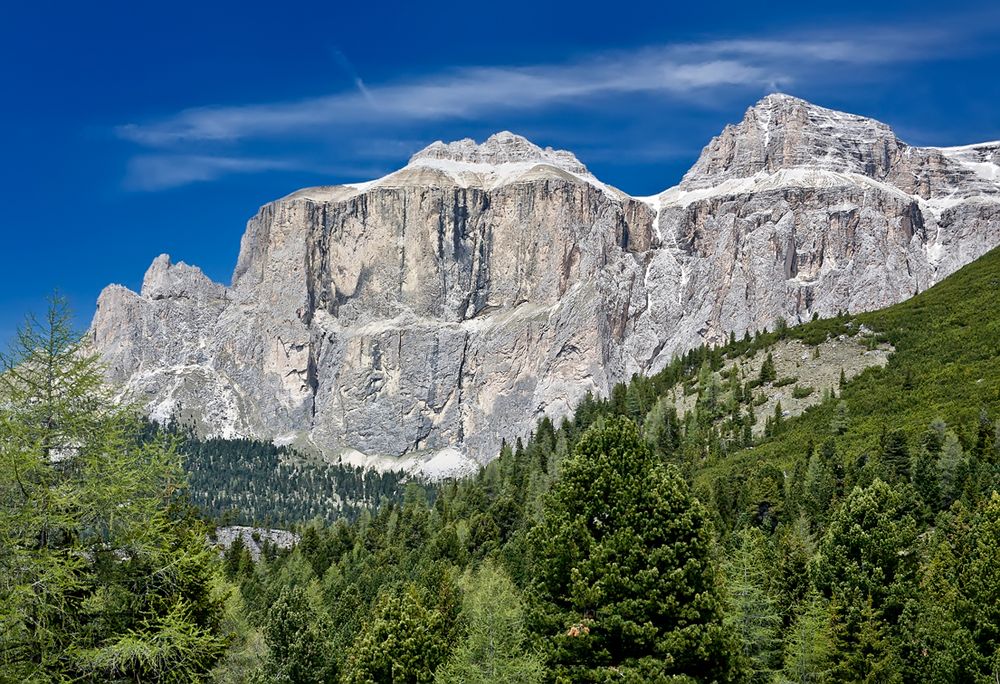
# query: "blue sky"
[132,129]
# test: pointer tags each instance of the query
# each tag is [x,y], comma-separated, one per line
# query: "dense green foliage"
[636,542]
[624,558]
[247,482]
[856,542]
[104,576]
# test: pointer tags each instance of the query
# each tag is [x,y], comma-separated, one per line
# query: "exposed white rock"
[982,159]
[419,319]
[254,538]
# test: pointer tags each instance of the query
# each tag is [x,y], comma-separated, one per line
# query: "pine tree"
[979,582]
[865,546]
[865,564]
[625,578]
[934,644]
[295,632]
[403,642]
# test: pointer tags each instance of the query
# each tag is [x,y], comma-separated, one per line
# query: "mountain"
[437,311]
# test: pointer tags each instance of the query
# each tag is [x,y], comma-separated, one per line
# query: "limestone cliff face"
[799,210]
[451,304]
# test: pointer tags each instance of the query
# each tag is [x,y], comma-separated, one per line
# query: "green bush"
[801,391]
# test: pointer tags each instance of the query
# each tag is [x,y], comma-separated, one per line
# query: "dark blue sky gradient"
[102,172]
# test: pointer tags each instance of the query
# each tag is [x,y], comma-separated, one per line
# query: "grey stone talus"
[451,304]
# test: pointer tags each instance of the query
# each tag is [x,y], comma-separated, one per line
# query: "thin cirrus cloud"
[678,73]
[458,94]
[163,171]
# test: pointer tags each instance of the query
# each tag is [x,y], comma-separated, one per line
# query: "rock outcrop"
[449,305]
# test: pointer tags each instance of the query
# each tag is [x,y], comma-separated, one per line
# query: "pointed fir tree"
[768,372]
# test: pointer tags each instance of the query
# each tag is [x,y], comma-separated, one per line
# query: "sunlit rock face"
[432,313]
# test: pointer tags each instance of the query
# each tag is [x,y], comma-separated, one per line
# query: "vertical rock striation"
[447,306]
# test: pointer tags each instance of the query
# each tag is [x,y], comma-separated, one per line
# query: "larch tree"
[752,612]
[495,647]
[102,575]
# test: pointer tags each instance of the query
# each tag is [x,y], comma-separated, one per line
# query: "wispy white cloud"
[163,171]
[461,93]
[672,70]
[679,72]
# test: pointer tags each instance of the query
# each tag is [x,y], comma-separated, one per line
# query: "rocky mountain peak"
[779,112]
[500,148]
[784,132]
[431,314]
[165,279]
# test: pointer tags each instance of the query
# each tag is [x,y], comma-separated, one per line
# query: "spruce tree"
[924,476]
[895,454]
[768,372]
[778,422]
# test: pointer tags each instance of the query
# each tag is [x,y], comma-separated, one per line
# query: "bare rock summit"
[424,317]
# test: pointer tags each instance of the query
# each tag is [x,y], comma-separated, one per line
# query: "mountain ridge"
[445,307]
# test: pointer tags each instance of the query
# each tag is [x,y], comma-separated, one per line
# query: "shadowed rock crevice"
[450,304]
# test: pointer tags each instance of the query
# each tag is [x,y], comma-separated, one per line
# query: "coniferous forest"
[660,534]
[246,482]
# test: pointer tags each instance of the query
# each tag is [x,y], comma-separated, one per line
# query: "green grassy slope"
[946,365]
